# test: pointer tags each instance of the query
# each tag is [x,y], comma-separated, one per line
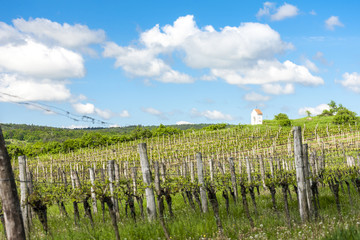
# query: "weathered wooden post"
[300,176]
[14,224]
[24,193]
[111,172]
[233,178]
[160,200]
[93,195]
[204,205]
[307,175]
[149,192]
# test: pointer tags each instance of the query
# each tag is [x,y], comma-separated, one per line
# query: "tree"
[308,113]
[283,120]
[344,115]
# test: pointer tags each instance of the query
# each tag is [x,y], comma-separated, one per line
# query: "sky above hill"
[118,63]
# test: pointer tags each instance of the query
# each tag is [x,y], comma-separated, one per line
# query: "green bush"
[345,116]
[283,120]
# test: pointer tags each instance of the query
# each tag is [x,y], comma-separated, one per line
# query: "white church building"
[256,117]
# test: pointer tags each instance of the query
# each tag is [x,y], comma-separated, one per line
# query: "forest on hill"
[34,140]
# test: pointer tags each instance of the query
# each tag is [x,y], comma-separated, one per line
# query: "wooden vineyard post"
[93,195]
[149,192]
[307,175]
[24,194]
[204,205]
[111,172]
[117,181]
[300,176]
[262,171]
[195,190]
[251,184]
[160,200]
[14,224]
[233,178]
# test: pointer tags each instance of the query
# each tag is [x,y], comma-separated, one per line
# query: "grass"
[190,224]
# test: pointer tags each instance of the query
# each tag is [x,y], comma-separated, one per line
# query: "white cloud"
[277,89]
[124,114]
[211,115]
[75,36]
[172,76]
[171,36]
[333,22]
[34,59]
[89,108]
[313,110]
[105,114]
[285,11]
[277,14]
[183,123]
[155,112]
[30,89]
[310,65]
[269,72]
[38,59]
[351,81]
[233,47]
[9,34]
[256,97]
[239,55]
[312,12]
[265,11]
[144,63]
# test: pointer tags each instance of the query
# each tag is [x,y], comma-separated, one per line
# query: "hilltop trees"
[341,113]
[283,120]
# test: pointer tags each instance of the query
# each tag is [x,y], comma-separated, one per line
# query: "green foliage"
[163,130]
[344,115]
[215,127]
[283,120]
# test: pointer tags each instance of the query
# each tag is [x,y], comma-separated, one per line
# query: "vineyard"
[230,183]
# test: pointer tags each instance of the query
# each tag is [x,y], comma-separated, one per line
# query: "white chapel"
[256,117]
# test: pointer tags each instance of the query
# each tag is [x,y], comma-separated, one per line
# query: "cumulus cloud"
[351,81]
[211,115]
[277,89]
[265,72]
[256,97]
[144,63]
[155,112]
[313,110]
[30,89]
[333,22]
[240,55]
[277,14]
[89,108]
[75,36]
[37,60]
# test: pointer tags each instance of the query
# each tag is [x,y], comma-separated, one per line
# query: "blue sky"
[151,62]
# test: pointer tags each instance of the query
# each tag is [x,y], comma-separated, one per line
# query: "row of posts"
[303,179]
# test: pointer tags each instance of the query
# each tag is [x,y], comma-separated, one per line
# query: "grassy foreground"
[190,224]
